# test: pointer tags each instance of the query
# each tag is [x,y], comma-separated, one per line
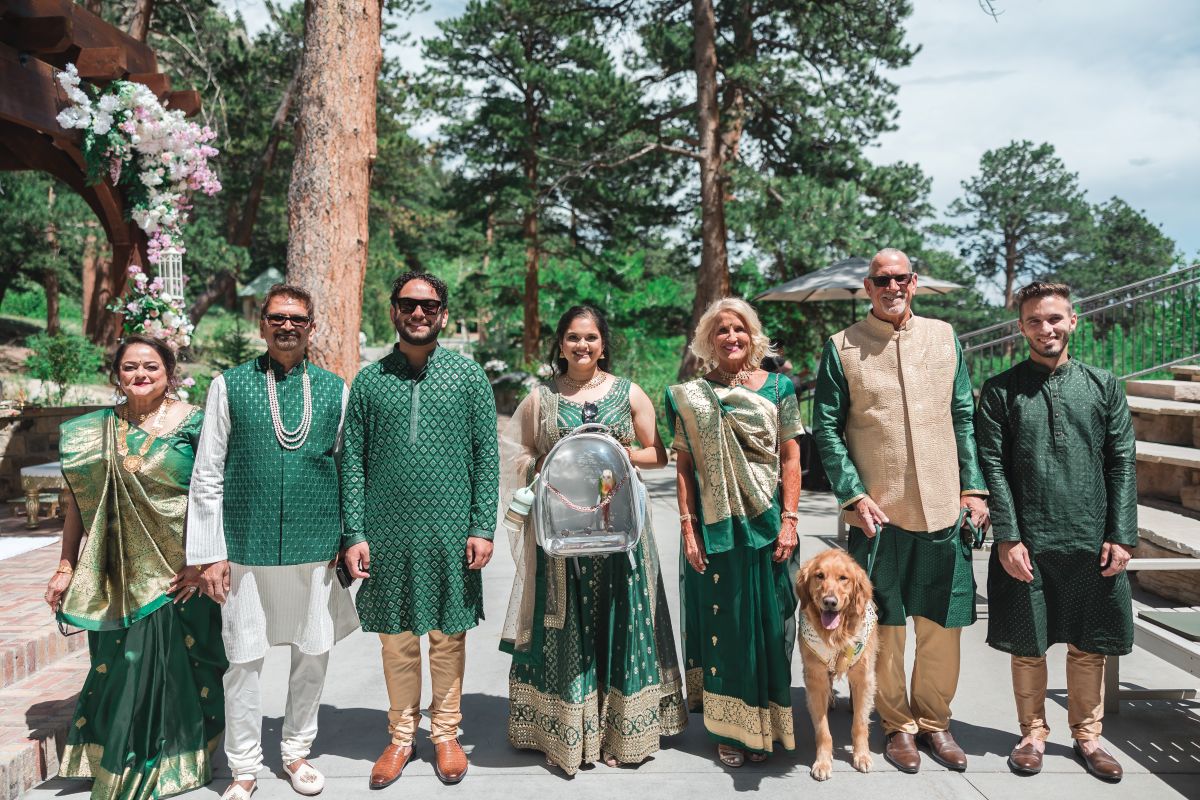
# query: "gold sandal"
[730,756]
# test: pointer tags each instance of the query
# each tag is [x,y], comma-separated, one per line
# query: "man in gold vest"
[892,421]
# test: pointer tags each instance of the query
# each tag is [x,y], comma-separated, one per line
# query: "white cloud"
[1111,84]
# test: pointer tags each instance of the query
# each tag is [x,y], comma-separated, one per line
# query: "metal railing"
[1131,331]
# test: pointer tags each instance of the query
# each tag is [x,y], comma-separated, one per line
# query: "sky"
[1114,85]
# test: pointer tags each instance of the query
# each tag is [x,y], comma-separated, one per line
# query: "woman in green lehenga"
[151,708]
[594,673]
[738,482]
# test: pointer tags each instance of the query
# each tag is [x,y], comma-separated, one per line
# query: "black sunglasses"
[882,281]
[408,305]
[590,412]
[63,628]
[279,320]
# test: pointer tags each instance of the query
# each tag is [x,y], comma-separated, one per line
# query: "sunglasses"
[299,321]
[63,629]
[590,412]
[408,305]
[882,281]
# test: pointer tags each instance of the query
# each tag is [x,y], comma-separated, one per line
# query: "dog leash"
[964,518]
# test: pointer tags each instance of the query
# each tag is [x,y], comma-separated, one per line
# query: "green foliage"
[62,360]
[1123,247]
[1025,215]
[31,304]
[231,348]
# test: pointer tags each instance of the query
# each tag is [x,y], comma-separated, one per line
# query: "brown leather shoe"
[390,764]
[944,749]
[1100,764]
[901,752]
[1025,760]
[451,762]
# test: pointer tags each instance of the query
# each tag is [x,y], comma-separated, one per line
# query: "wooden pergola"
[38,37]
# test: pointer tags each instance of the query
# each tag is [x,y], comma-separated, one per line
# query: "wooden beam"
[37,34]
[88,30]
[157,82]
[187,101]
[101,63]
[31,97]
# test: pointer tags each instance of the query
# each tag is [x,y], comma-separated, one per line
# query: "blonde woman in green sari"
[151,708]
[738,484]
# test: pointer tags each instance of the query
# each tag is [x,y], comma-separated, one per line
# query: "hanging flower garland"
[151,310]
[154,155]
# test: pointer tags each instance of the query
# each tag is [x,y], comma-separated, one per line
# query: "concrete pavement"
[1157,742]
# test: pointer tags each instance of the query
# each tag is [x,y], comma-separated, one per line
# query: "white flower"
[150,178]
[102,123]
[109,103]
[530,382]
[495,365]
[545,371]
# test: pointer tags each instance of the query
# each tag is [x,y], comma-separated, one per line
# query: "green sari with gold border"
[152,706]
[738,618]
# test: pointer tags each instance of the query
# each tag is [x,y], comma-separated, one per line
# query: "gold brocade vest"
[899,430]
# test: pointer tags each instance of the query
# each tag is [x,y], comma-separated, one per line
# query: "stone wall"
[30,437]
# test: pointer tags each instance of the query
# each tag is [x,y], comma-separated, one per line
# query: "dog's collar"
[853,649]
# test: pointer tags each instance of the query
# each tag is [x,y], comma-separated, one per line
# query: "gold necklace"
[132,462]
[592,383]
[731,379]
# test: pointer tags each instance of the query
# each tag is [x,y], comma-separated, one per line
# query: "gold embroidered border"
[627,727]
[731,717]
[172,775]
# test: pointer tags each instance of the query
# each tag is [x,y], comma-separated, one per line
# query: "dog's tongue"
[830,619]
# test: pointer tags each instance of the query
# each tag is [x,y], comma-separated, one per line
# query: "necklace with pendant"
[731,379]
[133,462]
[591,383]
[290,439]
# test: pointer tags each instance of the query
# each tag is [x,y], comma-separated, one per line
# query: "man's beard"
[286,343]
[1062,345]
[418,341]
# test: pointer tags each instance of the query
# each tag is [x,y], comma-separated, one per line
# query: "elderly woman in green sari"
[151,708]
[738,483]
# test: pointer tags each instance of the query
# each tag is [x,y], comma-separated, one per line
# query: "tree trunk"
[532,325]
[139,26]
[1010,269]
[50,286]
[331,175]
[712,279]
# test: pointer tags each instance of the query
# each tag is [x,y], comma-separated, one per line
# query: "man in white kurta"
[264,522]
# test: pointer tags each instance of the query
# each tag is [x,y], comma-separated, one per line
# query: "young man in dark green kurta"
[420,483]
[1057,448]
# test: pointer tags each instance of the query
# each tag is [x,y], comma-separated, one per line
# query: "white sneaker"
[307,780]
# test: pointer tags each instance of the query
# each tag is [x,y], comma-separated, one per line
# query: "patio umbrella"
[842,281]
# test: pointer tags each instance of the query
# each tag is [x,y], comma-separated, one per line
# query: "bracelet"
[688,518]
[64,569]
[791,515]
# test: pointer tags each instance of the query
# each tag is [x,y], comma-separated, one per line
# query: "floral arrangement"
[154,155]
[150,310]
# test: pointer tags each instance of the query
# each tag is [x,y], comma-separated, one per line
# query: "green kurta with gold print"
[1057,449]
[420,473]
[151,708]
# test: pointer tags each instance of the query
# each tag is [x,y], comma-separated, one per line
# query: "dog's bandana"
[851,652]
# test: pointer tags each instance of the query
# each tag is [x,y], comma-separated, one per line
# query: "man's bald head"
[889,256]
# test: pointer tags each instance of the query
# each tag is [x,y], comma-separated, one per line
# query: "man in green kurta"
[420,484]
[892,421]
[1057,448]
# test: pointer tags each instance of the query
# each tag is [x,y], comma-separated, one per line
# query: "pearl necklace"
[731,379]
[578,386]
[293,439]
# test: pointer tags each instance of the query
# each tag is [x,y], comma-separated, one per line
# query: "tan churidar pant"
[402,673]
[1085,694]
[934,677]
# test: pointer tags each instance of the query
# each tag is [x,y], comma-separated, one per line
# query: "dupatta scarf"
[133,521]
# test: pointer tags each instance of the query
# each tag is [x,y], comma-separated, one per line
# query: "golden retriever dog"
[838,636]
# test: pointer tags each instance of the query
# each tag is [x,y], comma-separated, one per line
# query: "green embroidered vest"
[281,506]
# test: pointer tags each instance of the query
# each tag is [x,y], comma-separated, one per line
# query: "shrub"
[62,360]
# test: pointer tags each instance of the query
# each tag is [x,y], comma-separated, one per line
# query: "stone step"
[1175,455]
[1166,534]
[1156,407]
[35,714]
[30,638]
[1187,391]
[1186,372]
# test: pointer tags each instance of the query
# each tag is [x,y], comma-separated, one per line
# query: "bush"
[62,360]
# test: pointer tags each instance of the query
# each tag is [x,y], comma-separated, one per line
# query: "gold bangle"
[791,515]
[65,569]
[687,517]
